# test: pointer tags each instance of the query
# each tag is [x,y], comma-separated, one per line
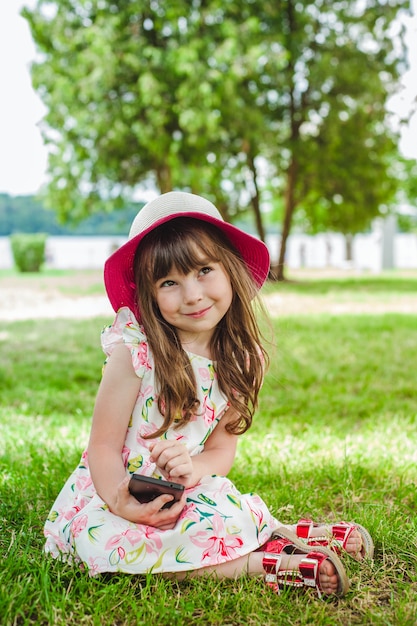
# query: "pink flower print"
[258,515]
[146,429]
[189,517]
[140,357]
[204,374]
[115,540]
[218,544]
[256,499]
[153,540]
[112,335]
[117,326]
[83,482]
[145,534]
[190,512]
[96,565]
[82,502]
[146,391]
[125,455]
[261,524]
[84,460]
[222,488]
[68,514]
[54,542]
[209,413]
[78,525]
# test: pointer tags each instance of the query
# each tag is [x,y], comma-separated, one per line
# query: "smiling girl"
[185,364]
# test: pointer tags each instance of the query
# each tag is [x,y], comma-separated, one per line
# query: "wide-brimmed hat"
[118,270]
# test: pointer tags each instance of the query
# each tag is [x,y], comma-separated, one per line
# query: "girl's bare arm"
[115,401]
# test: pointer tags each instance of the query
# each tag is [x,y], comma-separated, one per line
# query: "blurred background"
[296,118]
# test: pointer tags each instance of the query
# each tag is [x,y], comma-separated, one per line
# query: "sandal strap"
[303,528]
[338,533]
[309,569]
[307,574]
[342,531]
[271,564]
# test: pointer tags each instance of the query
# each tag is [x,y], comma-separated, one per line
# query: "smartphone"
[146,489]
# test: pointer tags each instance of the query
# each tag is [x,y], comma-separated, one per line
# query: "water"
[315,252]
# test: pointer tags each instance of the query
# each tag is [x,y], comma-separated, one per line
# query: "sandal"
[307,573]
[336,538]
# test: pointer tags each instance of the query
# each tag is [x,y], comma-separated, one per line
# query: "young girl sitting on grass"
[184,368]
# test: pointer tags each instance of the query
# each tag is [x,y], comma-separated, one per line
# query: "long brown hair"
[236,347]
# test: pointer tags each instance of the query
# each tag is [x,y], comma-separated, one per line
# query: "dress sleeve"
[126,330]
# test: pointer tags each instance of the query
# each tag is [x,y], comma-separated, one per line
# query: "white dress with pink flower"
[218,523]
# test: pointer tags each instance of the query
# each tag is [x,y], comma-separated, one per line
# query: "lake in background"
[382,248]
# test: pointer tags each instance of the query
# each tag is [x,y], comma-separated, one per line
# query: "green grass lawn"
[335,438]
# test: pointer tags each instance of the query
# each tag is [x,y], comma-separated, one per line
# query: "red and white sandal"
[307,574]
[336,538]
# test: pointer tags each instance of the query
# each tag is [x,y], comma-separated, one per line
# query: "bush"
[28,251]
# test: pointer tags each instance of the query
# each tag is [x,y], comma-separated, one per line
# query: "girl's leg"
[251,565]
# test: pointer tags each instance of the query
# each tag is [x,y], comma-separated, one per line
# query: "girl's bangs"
[183,251]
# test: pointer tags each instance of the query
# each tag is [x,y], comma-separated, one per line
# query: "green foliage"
[335,438]
[245,101]
[405,171]
[333,154]
[407,223]
[27,214]
[28,251]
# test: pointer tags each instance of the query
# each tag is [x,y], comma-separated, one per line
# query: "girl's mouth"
[198,314]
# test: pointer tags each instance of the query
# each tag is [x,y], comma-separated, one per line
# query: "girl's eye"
[205,270]
[167,283]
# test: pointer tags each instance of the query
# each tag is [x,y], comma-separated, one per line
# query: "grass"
[335,438]
[354,289]
[387,283]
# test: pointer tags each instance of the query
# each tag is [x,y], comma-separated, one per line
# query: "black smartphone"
[145,489]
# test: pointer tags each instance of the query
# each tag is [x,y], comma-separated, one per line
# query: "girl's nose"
[192,290]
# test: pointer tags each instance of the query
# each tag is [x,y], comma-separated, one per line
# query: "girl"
[184,368]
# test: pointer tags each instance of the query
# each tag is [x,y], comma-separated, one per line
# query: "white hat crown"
[172,202]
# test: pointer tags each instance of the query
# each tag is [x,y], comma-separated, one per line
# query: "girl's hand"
[173,461]
[149,513]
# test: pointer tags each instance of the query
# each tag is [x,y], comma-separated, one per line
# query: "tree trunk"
[349,245]
[164,178]
[286,226]
[295,110]
[255,198]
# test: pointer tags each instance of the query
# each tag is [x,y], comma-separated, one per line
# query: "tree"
[136,92]
[344,199]
[204,94]
[328,104]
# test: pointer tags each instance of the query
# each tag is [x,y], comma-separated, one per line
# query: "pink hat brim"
[118,270]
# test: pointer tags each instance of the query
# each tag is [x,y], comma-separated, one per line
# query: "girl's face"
[195,302]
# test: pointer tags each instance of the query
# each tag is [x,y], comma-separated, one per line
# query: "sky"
[23,155]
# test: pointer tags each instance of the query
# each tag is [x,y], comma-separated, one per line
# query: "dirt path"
[75,295]
[81,295]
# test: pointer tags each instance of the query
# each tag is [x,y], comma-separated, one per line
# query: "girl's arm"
[115,401]
[218,455]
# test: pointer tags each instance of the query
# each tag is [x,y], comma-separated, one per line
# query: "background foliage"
[253,103]
[28,251]
[27,214]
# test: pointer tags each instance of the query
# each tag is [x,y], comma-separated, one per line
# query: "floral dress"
[217,524]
